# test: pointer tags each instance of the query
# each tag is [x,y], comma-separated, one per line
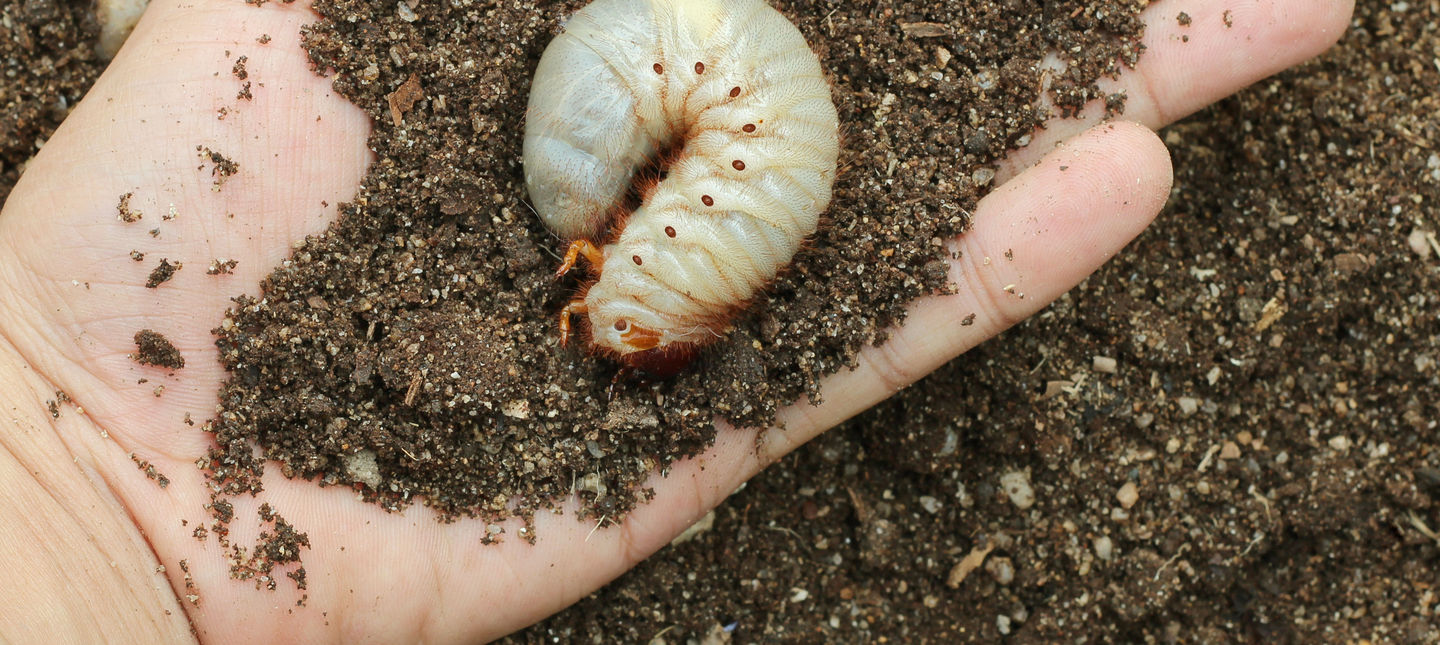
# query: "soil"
[1227,434]
[162,273]
[1260,464]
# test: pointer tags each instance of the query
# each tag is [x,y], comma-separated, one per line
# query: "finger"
[1034,238]
[1225,47]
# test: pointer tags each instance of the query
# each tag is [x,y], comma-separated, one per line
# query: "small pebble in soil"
[1017,487]
[1104,548]
[1127,495]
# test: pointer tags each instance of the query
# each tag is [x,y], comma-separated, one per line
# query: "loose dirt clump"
[126,214]
[221,167]
[155,349]
[162,273]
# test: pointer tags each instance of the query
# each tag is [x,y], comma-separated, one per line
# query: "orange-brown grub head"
[614,329]
[637,337]
[625,326]
[634,317]
[639,347]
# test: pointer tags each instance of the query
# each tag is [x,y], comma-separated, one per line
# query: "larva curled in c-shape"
[731,96]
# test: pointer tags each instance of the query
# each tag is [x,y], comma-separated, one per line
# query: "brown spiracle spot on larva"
[613,93]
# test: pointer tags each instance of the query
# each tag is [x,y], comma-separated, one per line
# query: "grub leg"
[566,312]
[580,247]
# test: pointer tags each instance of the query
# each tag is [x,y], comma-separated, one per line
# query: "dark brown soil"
[277,547]
[155,349]
[162,273]
[421,329]
[47,64]
[1274,406]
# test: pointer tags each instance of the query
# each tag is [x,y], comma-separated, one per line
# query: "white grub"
[730,95]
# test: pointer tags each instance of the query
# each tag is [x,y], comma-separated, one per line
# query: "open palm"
[90,533]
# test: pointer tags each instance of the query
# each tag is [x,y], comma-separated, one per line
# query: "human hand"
[72,479]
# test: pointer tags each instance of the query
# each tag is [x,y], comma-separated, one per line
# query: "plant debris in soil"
[421,328]
[1227,434]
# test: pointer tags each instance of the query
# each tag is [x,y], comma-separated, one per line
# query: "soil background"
[1259,462]
[1284,469]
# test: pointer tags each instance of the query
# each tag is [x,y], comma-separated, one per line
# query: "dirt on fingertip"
[411,352]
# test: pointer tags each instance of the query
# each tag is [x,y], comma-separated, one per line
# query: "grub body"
[733,89]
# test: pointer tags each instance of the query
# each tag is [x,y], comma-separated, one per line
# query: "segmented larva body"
[730,93]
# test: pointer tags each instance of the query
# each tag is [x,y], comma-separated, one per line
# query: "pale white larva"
[729,93]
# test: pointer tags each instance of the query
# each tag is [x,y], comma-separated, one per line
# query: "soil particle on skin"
[275,548]
[150,471]
[422,326]
[53,405]
[162,273]
[192,592]
[155,349]
[222,510]
[137,256]
[220,267]
[124,212]
[221,168]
